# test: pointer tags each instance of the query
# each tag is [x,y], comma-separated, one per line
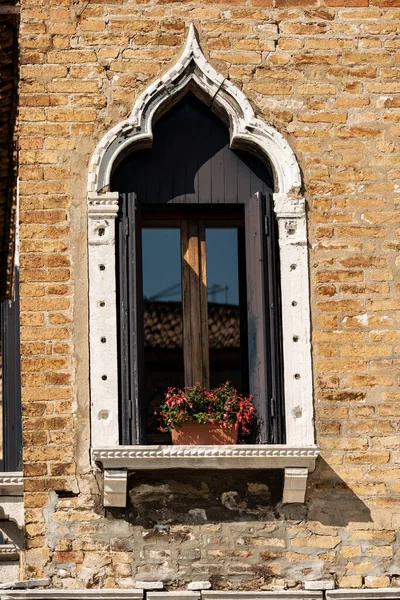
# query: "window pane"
[225,311]
[162,295]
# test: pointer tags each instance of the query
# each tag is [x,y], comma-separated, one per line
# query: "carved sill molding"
[11,497]
[11,484]
[8,552]
[297,461]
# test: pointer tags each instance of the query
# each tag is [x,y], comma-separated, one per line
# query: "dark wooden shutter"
[11,383]
[277,430]
[130,305]
[263,302]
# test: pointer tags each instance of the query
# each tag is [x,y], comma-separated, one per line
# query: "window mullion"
[195,310]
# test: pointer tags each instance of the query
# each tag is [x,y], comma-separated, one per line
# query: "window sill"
[297,461]
[11,498]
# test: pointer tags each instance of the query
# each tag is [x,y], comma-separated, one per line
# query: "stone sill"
[11,497]
[364,594]
[11,484]
[272,595]
[8,553]
[297,461]
[84,594]
[134,594]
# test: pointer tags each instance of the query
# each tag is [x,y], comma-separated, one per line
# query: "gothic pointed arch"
[193,72]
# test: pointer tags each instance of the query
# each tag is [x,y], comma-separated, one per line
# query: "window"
[165,179]
[185,332]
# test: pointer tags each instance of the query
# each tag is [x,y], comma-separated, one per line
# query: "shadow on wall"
[330,500]
[164,498]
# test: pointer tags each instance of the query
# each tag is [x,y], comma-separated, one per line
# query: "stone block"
[325,584]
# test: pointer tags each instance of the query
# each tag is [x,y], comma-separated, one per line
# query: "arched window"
[198,279]
[152,185]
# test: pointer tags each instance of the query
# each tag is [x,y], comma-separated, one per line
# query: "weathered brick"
[326,75]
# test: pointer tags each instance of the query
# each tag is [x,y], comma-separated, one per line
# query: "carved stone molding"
[11,484]
[102,206]
[297,462]
[294,489]
[11,498]
[193,72]
[12,509]
[8,552]
[250,456]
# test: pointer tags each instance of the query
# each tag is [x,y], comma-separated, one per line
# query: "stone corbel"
[295,485]
[115,487]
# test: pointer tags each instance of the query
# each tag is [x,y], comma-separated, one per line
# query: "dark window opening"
[198,273]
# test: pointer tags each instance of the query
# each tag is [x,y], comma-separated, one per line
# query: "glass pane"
[162,295]
[224,310]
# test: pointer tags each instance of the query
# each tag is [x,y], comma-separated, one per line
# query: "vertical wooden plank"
[217,177]
[187,344]
[203,303]
[230,174]
[243,179]
[257,323]
[194,298]
[196,341]
[204,174]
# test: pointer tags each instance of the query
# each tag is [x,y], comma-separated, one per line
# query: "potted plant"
[194,415]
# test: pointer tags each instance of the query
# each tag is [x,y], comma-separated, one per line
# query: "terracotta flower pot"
[207,434]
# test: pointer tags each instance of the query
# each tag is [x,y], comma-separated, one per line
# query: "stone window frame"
[247,132]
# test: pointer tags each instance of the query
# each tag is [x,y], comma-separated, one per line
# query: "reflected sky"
[162,275]
[162,265]
[222,266]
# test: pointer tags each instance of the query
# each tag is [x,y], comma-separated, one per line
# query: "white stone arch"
[193,72]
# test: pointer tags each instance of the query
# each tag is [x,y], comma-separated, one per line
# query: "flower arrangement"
[221,406]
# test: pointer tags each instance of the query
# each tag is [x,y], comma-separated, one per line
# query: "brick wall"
[326,75]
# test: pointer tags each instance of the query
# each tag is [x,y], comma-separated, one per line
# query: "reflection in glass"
[162,314]
[224,312]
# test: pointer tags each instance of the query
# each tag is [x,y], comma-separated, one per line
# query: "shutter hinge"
[127,226]
[130,409]
[266,221]
[273,415]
